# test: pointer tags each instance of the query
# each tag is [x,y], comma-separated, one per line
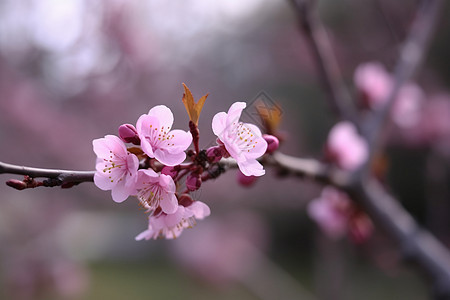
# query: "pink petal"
[121,192]
[169,203]
[132,164]
[234,113]
[169,159]
[163,114]
[147,234]
[103,182]
[259,142]
[166,182]
[233,148]
[199,209]
[103,146]
[147,148]
[172,220]
[179,142]
[251,167]
[219,123]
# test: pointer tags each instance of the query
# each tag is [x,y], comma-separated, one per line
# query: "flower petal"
[121,192]
[169,203]
[219,123]
[234,113]
[103,182]
[169,159]
[251,167]
[180,140]
[199,209]
[163,114]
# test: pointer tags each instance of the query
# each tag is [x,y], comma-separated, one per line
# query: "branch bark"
[329,74]
[56,177]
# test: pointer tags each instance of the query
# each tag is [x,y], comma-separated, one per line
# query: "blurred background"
[74,70]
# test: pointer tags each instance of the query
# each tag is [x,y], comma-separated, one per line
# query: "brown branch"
[417,244]
[411,56]
[329,73]
[64,178]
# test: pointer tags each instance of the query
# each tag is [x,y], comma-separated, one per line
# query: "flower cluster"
[374,84]
[152,168]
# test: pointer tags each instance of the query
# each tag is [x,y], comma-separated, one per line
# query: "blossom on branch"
[158,141]
[170,226]
[156,190]
[243,141]
[346,147]
[116,168]
[375,83]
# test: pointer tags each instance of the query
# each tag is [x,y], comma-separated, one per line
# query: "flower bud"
[215,153]
[244,180]
[17,184]
[185,200]
[272,143]
[128,134]
[193,182]
[171,171]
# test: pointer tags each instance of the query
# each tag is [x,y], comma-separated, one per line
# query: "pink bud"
[272,143]
[193,182]
[185,200]
[128,134]
[246,180]
[171,171]
[17,184]
[215,153]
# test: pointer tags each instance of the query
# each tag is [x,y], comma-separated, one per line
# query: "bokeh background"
[74,70]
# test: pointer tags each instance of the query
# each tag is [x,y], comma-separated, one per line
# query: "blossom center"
[244,138]
[113,167]
[160,137]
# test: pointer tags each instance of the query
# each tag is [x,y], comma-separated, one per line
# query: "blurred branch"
[417,244]
[64,178]
[411,56]
[329,74]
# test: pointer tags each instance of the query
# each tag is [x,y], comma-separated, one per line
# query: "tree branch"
[417,244]
[329,73]
[65,178]
[411,56]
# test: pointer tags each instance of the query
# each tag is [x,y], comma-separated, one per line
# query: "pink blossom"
[330,212]
[408,107]
[170,226]
[116,168]
[375,83]
[346,147]
[243,141]
[154,190]
[158,141]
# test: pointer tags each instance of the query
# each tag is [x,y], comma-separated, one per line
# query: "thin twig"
[59,177]
[329,73]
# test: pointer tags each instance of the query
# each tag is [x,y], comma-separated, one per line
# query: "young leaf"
[193,109]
